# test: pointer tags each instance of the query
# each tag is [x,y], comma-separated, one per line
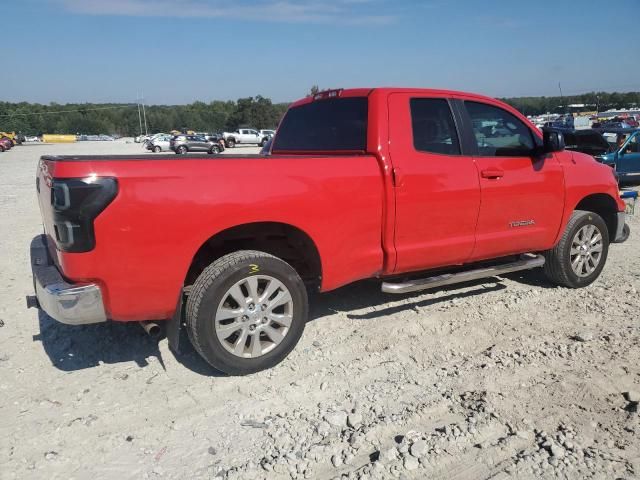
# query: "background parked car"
[193,143]
[160,143]
[244,136]
[266,136]
[586,141]
[625,156]
[5,144]
[266,148]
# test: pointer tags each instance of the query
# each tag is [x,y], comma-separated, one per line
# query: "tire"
[157,149]
[181,150]
[211,296]
[231,143]
[215,149]
[1,148]
[558,266]
[263,142]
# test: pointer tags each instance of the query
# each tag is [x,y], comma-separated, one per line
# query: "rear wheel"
[580,255]
[182,150]
[231,143]
[157,149]
[214,149]
[246,312]
[263,142]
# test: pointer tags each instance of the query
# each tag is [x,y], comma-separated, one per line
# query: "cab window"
[498,133]
[434,130]
[633,145]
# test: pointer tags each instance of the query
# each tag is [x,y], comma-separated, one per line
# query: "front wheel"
[157,149]
[246,312]
[579,257]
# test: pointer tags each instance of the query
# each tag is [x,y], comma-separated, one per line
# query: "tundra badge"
[522,223]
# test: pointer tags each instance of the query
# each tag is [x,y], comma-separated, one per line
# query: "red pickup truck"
[420,188]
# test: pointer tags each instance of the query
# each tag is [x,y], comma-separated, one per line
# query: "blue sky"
[179,51]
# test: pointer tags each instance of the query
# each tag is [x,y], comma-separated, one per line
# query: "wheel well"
[279,239]
[603,205]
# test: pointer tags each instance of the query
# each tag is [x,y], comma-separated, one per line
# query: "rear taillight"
[76,202]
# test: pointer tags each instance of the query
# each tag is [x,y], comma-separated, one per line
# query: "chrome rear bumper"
[73,304]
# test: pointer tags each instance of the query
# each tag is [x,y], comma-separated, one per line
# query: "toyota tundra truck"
[417,188]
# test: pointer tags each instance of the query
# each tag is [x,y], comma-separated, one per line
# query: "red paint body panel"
[529,190]
[166,209]
[393,210]
[437,198]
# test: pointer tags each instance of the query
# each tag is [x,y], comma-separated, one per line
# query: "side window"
[634,145]
[498,133]
[434,130]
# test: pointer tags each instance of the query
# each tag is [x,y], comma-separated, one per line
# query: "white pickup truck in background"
[245,136]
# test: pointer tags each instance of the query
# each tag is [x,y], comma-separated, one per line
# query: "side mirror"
[553,141]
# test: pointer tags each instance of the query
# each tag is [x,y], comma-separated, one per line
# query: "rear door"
[437,190]
[522,193]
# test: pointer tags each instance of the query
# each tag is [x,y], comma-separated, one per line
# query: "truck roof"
[365,92]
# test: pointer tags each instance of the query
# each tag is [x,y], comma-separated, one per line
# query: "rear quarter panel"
[166,209]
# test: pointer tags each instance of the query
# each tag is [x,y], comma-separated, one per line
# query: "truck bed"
[168,206]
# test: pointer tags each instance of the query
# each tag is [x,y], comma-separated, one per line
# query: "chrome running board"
[526,262]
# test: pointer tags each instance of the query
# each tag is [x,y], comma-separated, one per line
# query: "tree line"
[593,101]
[257,112]
[123,119]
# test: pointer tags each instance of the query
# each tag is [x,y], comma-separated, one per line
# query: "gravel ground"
[505,378]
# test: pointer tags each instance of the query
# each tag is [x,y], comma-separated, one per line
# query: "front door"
[628,164]
[522,194]
[436,184]
[200,143]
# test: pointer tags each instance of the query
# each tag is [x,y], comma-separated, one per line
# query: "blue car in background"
[625,154]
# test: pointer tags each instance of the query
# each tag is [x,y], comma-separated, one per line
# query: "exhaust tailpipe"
[152,329]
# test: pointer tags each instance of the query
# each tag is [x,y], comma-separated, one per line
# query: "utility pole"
[561,97]
[139,116]
[144,114]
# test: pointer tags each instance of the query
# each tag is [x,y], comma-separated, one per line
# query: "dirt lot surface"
[505,378]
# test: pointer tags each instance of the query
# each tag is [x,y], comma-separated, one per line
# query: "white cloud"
[345,12]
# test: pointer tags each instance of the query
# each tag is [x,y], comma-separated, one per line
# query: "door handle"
[492,173]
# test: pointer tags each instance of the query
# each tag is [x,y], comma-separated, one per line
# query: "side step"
[526,262]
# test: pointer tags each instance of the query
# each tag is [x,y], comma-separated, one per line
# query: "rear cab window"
[326,125]
[434,130]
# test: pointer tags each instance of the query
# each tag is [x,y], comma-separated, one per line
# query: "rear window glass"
[325,125]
